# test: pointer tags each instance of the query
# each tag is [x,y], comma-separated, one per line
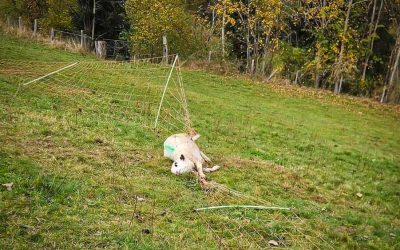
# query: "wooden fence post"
[8,22]
[165,49]
[101,48]
[82,39]
[20,24]
[51,34]
[209,56]
[35,27]
[297,77]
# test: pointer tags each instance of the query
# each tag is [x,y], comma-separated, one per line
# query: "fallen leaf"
[8,186]
[273,243]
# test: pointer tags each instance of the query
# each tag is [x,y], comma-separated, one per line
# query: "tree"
[150,20]
[30,9]
[338,74]
[373,26]
[59,14]
[110,18]
[251,25]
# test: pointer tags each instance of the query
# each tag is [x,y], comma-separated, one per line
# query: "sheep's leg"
[199,168]
[205,157]
[209,170]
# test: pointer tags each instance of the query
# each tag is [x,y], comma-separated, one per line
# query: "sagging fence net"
[147,92]
[78,97]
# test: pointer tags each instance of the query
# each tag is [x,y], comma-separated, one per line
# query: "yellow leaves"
[335,49]
[58,14]
[151,19]
[275,43]
[258,13]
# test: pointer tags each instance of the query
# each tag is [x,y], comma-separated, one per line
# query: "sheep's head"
[182,166]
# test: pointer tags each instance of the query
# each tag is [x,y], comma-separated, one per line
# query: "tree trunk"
[366,62]
[223,32]
[248,41]
[212,25]
[265,56]
[396,63]
[101,49]
[317,79]
[339,63]
[94,18]
[393,67]
[340,83]
[296,77]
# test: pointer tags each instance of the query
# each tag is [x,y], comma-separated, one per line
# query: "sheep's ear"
[182,158]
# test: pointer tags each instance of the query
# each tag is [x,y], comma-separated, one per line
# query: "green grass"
[76,180]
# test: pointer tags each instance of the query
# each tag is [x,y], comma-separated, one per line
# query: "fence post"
[8,22]
[209,56]
[100,48]
[297,77]
[20,23]
[34,27]
[252,67]
[82,39]
[51,34]
[165,48]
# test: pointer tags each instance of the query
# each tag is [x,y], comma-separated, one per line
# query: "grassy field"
[97,179]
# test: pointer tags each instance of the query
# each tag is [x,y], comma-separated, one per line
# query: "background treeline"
[350,46]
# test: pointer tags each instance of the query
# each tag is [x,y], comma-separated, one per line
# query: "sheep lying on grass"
[187,157]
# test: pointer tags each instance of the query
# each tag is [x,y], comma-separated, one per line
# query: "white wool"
[178,144]
[186,155]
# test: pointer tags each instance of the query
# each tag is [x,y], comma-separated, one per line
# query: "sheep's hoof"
[207,186]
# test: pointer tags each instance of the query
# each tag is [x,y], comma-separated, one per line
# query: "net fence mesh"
[120,91]
[131,92]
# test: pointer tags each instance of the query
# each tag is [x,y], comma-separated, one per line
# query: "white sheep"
[187,157]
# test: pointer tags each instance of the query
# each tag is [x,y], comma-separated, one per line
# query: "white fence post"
[82,39]
[165,90]
[35,27]
[20,23]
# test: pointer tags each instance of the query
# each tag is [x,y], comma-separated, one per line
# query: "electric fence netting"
[75,97]
[147,92]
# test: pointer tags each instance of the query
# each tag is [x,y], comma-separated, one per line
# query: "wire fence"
[83,100]
[105,48]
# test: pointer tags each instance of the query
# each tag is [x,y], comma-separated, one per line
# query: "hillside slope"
[334,160]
